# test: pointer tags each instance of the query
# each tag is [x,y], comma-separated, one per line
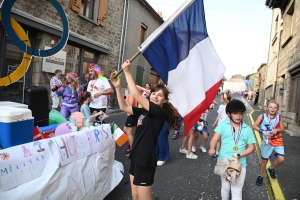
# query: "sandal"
[175,136]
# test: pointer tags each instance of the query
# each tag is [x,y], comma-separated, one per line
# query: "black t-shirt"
[148,127]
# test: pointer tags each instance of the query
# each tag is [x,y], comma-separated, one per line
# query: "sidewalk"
[287,184]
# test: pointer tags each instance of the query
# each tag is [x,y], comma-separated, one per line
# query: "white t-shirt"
[96,86]
[222,113]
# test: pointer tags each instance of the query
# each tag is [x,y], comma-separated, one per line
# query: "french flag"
[182,54]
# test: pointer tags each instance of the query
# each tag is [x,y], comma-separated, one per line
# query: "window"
[93,10]
[139,74]
[295,94]
[88,58]
[288,26]
[143,33]
[87,8]
[72,59]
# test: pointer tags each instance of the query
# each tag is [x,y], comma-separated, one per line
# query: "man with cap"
[99,88]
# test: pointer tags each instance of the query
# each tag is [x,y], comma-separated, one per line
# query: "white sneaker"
[183,150]
[160,163]
[191,156]
[193,149]
[203,149]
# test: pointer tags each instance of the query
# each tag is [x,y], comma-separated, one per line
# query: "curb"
[273,186]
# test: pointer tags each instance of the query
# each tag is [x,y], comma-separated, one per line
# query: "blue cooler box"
[16,126]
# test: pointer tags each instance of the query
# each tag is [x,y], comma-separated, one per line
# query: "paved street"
[182,178]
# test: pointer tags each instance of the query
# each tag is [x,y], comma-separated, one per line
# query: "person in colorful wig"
[99,87]
[69,92]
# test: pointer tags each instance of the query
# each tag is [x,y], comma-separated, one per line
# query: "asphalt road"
[182,178]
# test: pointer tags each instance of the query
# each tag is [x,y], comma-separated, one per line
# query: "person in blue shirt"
[237,140]
[83,103]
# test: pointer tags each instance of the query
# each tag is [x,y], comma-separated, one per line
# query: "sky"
[238,29]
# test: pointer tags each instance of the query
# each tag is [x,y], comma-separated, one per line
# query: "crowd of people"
[89,96]
[151,117]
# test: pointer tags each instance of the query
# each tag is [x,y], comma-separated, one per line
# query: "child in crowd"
[201,127]
[83,103]
[70,92]
[271,129]
[150,120]
[222,116]
[190,137]
[237,140]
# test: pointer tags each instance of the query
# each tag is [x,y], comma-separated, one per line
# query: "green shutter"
[139,75]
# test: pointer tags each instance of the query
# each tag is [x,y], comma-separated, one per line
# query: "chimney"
[160,14]
[252,70]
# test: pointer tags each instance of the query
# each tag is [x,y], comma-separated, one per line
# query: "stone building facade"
[254,78]
[287,92]
[262,79]
[95,30]
[141,20]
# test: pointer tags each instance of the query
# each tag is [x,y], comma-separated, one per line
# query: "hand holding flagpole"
[131,59]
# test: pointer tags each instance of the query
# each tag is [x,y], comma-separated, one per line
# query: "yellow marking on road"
[273,186]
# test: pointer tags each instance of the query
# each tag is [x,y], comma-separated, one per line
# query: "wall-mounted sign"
[54,62]
[248,83]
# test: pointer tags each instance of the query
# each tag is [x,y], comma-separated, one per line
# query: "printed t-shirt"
[96,86]
[149,125]
[269,124]
[227,144]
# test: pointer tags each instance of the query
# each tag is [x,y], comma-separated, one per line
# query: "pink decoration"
[62,129]
[78,116]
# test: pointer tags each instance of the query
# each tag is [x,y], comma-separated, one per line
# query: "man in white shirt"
[99,88]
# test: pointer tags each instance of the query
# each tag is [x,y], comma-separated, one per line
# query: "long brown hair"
[74,82]
[172,113]
[82,98]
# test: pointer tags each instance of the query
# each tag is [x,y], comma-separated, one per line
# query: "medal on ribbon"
[236,138]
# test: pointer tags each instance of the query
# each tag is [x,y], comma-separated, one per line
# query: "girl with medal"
[237,141]
[270,126]
[69,92]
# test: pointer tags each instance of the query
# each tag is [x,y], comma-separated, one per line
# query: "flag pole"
[131,59]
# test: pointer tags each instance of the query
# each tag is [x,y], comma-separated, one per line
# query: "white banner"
[54,62]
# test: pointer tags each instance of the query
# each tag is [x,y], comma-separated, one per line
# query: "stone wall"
[109,35]
[289,57]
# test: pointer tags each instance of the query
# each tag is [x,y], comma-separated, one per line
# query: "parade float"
[62,160]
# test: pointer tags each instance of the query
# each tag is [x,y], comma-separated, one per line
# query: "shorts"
[56,102]
[130,121]
[266,150]
[143,176]
[203,130]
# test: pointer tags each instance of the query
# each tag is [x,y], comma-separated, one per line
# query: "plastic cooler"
[16,126]
[13,104]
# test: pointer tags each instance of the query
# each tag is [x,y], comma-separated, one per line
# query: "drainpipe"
[123,33]
[126,24]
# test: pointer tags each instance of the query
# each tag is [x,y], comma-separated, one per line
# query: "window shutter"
[75,5]
[102,12]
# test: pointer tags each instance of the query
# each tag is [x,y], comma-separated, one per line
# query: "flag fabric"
[119,136]
[182,54]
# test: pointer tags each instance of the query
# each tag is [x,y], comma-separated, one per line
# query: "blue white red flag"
[182,54]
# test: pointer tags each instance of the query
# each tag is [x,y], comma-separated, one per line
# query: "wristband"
[260,131]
